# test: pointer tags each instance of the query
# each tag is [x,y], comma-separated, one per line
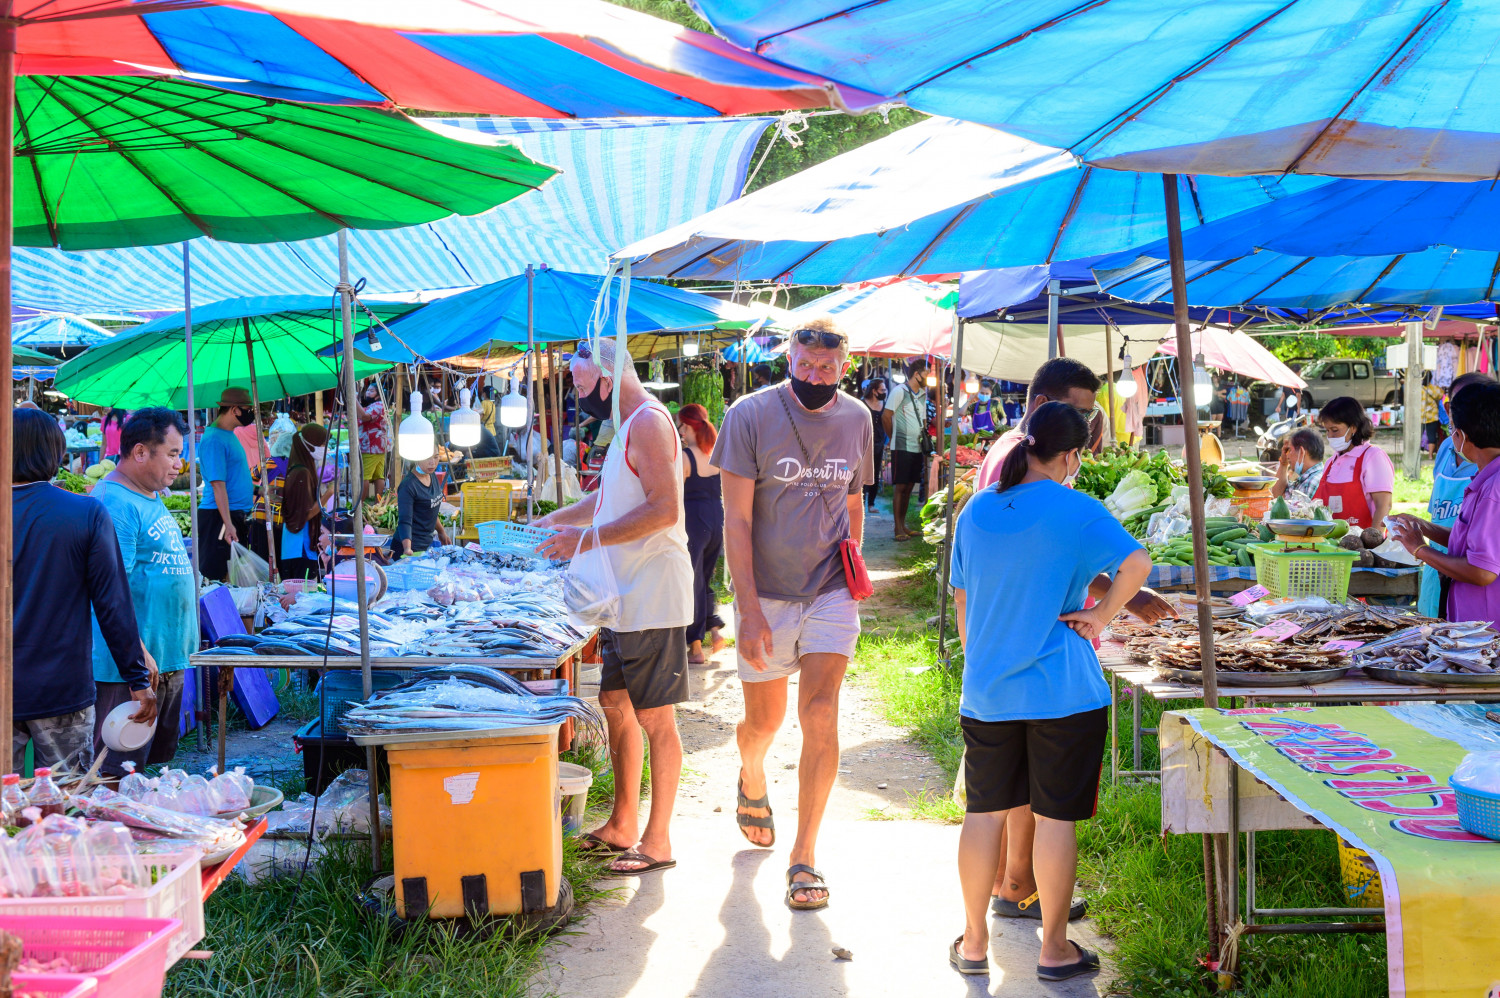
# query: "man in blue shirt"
[229,497]
[65,561]
[160,576]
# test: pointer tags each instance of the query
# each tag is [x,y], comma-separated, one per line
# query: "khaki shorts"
[829,625]
[373,466]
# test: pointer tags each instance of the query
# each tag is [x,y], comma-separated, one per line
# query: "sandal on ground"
[631,856]
[963,966]
[591,844]
[1086,963]
[1031,908]
[754,821]
[815,884]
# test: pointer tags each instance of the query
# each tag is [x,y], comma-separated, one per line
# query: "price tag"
[473,546]
[344,622]
[1277,630]
[1343,645]
[1247,596]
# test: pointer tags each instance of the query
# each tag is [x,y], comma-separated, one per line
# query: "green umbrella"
[104,161]
[148,365]
[22,357]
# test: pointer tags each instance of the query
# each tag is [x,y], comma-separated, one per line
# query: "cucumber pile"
[1227,538]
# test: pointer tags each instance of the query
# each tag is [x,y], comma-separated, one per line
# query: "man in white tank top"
[638,512]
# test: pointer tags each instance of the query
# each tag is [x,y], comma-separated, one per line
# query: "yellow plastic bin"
[476,823]
[1361,878]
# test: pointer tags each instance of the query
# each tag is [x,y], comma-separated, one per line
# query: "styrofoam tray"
[465,734]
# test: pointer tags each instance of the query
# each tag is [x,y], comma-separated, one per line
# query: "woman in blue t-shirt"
[1034,704]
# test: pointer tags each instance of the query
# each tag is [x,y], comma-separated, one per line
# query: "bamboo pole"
[958,372]
[1109,382]
[263,458]
[200,675]
[531,385]
[1190,441]
[1411,424]
[557,431]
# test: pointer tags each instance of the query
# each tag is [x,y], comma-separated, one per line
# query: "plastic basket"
[341,689]
[504,537]
[484,501]
[1361,879]
[177,893]
[410,574]
[1478,810]
[127,957]
[1321,571]
[54,985]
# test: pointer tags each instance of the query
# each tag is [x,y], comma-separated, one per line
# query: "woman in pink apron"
[1359,478]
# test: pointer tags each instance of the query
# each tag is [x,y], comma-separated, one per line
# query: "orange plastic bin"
[476,823]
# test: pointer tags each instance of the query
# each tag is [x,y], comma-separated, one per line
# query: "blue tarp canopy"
[1356,88]
[622,179]
[937,197]
[67,332]
[563,306]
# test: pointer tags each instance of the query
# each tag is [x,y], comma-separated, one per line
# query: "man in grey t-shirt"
[794,458]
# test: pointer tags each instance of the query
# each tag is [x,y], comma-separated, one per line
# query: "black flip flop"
[744,820]
[963,966]
[1086,963]
[592,845]
[1031,908]
[631,856]
[815,884]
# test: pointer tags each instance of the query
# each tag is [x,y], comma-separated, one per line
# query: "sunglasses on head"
[584,350]
[820,337]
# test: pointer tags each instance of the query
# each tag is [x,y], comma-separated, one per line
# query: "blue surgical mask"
[982,397]
[1298,467]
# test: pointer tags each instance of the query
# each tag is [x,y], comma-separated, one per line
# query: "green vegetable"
[1266,534]
[74,483]
[1280,510]
[1229,535]
[1322,513]
[1340,528]
[1246,560]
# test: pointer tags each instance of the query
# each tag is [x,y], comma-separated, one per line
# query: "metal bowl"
[1251,483]
[1234,677]
[1413,677]
[1300,528]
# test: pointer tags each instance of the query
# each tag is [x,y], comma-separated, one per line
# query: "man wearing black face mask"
[230,497]
[794,459]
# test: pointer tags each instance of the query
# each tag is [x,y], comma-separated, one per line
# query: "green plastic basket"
[1320,571]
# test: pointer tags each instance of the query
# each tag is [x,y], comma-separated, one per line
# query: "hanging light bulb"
[1202,390]
[898,378]
[513,406]
[463,425]
[415,440]
[690,348]
[931,379]
[1125,387]
[971,384]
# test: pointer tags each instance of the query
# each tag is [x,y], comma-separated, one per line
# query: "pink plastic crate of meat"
[176,892]
[127,957]
[53,986]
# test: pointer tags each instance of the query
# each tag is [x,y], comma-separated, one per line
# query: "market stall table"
[1401,582]
[1377,776]
[215,875]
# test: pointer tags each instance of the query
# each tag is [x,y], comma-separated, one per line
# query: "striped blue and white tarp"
[623,179]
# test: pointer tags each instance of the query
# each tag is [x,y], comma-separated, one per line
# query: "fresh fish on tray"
[1455,647]
[454,699]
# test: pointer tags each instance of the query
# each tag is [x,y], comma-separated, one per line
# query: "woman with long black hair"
[1034,703]
[301,505]
[110,429]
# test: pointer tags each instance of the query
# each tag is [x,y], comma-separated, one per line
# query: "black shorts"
[1053,765]
[906,467]
[163,745]
[1435,432]
[651,666]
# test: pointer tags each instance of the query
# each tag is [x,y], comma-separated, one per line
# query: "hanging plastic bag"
[246,568]
[279,437]
[571,490]
[589,587]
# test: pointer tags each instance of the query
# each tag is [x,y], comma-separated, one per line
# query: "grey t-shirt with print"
[796,541]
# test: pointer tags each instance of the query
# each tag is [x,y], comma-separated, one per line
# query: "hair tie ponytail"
[1030,440]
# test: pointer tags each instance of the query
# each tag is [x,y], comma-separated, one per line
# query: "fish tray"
[1229,677]
[1411,677]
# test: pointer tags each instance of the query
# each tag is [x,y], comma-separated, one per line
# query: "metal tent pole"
[7,440]
[351,386]
[264,459]
[200,675]
[556,436]
[1053,330]
[1190,441]
[531,383]
[958,373]
[1411,422]
[1109,383]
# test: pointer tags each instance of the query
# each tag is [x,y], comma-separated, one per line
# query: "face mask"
[244,418]
[812,396]
[317,455]
[982,397]
[1068,478]
[1458,448]
[1298,467]
[596,403]
[1339,444]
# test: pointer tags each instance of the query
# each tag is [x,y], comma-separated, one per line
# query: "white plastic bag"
[1480,771]
[246,568]
[589,587]
[279,437]
[571,490]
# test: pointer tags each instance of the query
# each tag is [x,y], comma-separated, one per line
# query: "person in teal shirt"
[1451,474]
[160,575]
[229,493]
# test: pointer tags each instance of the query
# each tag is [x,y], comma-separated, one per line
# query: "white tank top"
[654,573]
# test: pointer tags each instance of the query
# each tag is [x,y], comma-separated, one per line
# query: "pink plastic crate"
[126,956]
[53,986]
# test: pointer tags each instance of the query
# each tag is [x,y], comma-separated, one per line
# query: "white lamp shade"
[513,406]
[463,425]
[690,348]
[415,440]
[898,378]
[971,385]
[1125,387]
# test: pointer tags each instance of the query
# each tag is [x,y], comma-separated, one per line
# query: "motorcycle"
[1268,440]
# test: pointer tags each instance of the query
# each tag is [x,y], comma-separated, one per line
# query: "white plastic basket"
[504,537]
[177,893]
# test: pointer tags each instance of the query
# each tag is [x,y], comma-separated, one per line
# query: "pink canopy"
[902,319]
[1239,353]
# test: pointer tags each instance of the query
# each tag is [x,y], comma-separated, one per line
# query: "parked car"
[1333,377]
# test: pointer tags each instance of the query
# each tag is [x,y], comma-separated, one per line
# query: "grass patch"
[1413,490]
[1145,890]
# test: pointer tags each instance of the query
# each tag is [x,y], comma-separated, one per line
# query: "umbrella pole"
[200,676]
[557,461]
[264,460]
[7,440]
[958,372]
[1054,331]
[1190,443]
[1109,382]
[530,384]
[351,385]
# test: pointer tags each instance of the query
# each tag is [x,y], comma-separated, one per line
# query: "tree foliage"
[1309,345]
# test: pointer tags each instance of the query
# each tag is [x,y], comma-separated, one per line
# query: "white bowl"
[122,734]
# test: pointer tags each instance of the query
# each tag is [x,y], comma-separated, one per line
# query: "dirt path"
[716,925]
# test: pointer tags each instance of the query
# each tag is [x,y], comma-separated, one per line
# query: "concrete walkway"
[717,925]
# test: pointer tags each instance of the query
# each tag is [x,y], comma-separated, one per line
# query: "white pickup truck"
[1333,377]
